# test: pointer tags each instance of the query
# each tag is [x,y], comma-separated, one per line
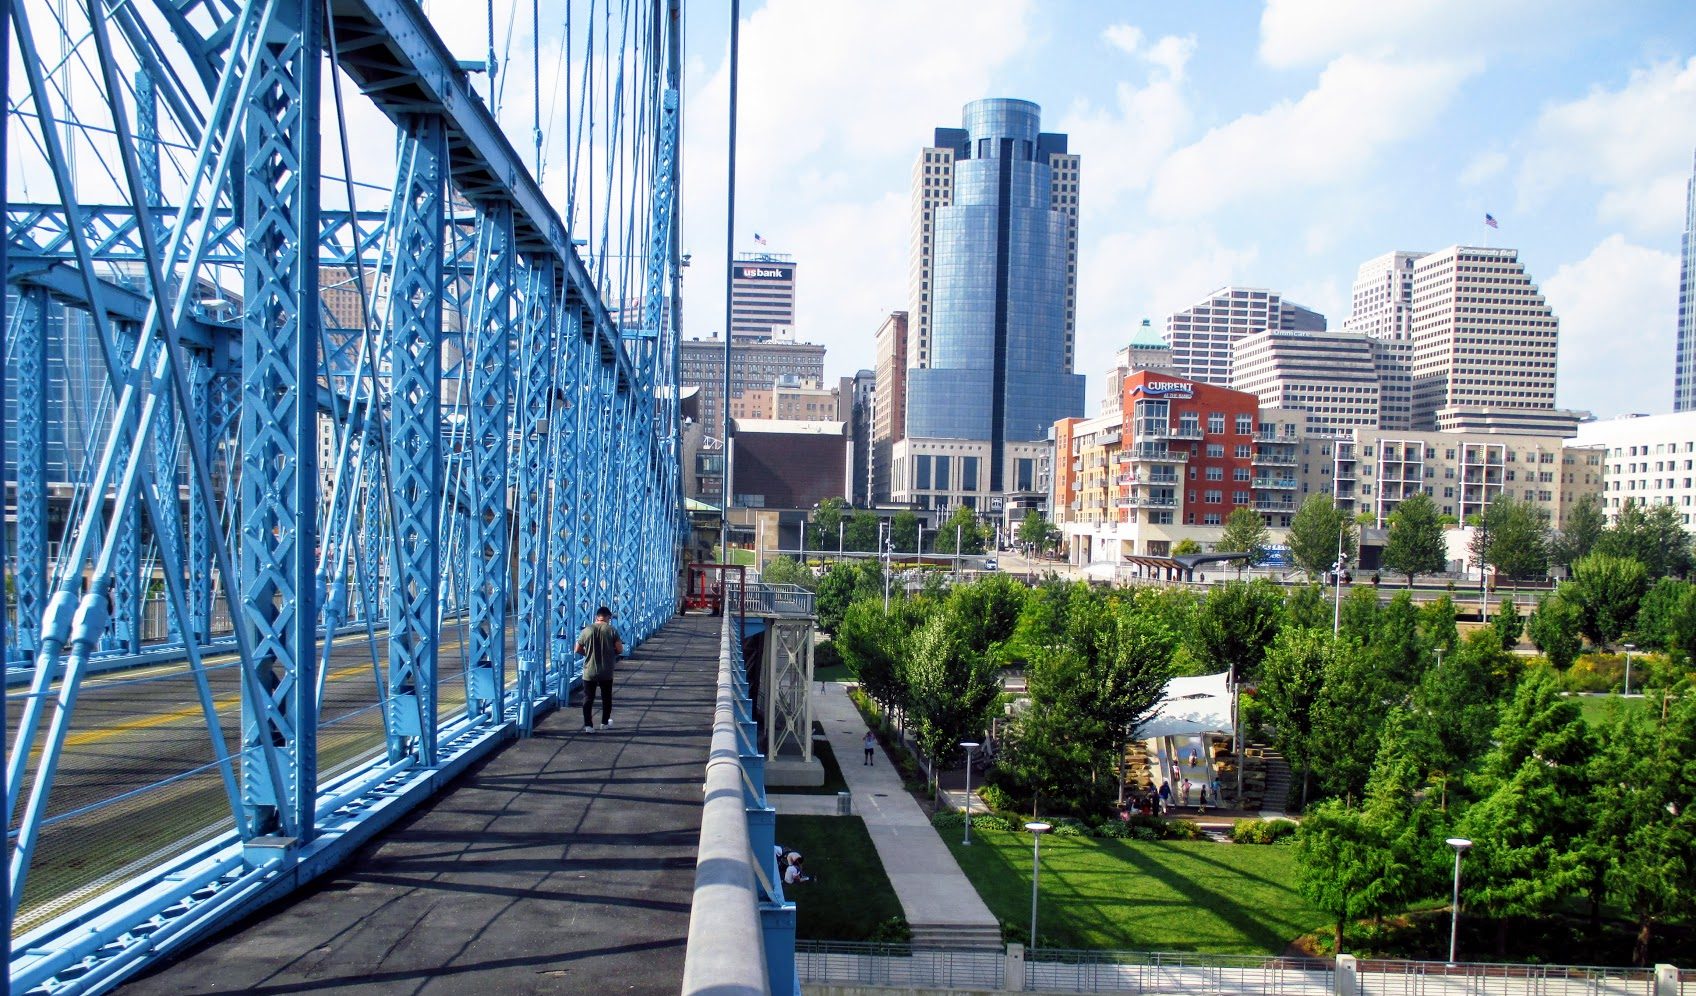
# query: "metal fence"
[1434,978]
[771,599]
[1056,970]
[898,965]
[1155,973]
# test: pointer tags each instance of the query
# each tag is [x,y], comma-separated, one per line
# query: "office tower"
[1383,296]
[1329,376]
[1146,351]
[754,368]
[997,275]
[762,297]
[1483,339]
[1201,335]
[1684,372]
[856,396]
[889,401]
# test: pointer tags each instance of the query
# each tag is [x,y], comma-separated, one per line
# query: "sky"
[1272,145]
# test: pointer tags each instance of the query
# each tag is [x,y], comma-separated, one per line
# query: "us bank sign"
[1165,389]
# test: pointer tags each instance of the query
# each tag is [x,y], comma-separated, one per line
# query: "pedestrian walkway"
[564,863]
[939,902]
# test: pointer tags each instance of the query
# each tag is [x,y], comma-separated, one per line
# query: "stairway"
[957,937]
[1277,795]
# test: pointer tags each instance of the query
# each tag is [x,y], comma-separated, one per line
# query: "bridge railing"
[771,599]
[741,929]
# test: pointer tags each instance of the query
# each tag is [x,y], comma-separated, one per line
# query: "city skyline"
[1276,147]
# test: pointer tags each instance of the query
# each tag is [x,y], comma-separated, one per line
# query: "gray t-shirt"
[600,650]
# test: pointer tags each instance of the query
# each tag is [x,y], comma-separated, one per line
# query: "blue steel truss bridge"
[341,387]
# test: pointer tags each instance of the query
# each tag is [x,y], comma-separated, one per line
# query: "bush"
[1066,826]
[954,821]
[1595,673]
[1261,831]
[995,797]
[1115,830]
[892,931]
[826,654]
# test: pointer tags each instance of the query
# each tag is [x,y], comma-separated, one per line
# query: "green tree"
[1629,536]
[986,612]
[1642,819]
[949,688]
[1585,523]
[1314,533]
[1185,547]
[861,534]
[1437,624]
[1290,682]
[904,532]
[1553,627]
[1514,538]
[1358,615]
[1347,715]
[1606,590]
[822,532]
[1234,625]
[1305,608]
[841,586]
[1397,645]
[1508,624]
[1658,614]
[962,524]
[874,646]
[1245,532]
[1034,530]
[1669,541]
[1348,869]
[1415,545]
[788,570]
[1455,706]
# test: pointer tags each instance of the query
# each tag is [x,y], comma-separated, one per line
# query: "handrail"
[726,953]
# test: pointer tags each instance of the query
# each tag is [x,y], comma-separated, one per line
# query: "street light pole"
[839,526]
[1459,844]
[1337,568]
[883,544]
[1629,647]
[1037,830]
[957,532]
[971,751]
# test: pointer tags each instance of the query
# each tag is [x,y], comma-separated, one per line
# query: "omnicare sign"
[1165,389]
[763,273]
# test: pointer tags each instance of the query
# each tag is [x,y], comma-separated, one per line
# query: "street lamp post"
[958,530]
[839,526]
[1037,830]
[919,547]
[883,544]
[1459,844]
[1629,648]
[1337,569]
[971,752]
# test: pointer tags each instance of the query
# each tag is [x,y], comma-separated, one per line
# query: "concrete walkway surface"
[939,902]
[564,863]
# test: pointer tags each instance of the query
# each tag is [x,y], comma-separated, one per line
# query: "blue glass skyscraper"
[995,363]
[1684,375]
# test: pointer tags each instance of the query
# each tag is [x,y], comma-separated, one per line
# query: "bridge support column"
[777,922]
[535,388]
[491,390]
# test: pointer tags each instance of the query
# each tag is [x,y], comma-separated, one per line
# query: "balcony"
[1150,501]
[1264,458]
[1274,506]
[1275,483]
[1156,453]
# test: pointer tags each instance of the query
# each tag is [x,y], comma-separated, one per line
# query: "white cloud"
[1296,33]
[1617,308]
[1632,142]
[1358,107]
[1484,167]
[1145,122]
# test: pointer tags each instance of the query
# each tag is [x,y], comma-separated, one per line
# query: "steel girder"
[279,427]
[535,389]
[415,444]
[564,432]
[490,387]
[28,351]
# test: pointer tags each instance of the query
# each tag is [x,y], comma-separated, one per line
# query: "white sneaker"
[588,729]
[607,724]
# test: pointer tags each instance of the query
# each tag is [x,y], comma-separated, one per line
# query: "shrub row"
[1262,831]
[1137,828]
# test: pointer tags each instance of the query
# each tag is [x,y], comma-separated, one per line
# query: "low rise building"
[1646,460]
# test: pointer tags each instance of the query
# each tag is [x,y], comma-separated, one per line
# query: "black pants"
[589,686]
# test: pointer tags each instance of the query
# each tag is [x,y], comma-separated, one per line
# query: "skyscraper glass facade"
[998,368]
[1684,384]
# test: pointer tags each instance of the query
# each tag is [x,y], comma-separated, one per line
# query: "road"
[132,729]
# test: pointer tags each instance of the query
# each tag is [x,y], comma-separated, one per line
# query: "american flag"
[1489,219]
[762,239]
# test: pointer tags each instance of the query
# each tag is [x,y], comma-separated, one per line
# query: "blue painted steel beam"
[415,443]
[279,480]
[490,397]
[28,351]
[535,390]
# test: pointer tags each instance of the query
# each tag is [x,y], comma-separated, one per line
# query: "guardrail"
[1153,973]
[772,599]
[741,929]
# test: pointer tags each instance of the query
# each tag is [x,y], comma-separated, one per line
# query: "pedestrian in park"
[1186,792]
[1165,797]
[1203,795]
[601,646]
[870,744]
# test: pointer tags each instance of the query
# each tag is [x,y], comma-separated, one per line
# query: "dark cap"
[603,611]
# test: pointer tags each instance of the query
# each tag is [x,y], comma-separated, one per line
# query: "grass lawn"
[834,672]
[1600,710]
[851,898]
[1150,896]
[833,780]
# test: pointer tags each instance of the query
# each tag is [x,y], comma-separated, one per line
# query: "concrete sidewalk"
[940,904]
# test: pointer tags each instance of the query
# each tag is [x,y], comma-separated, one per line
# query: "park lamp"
[1460,844]
[971,747]
[1037,829]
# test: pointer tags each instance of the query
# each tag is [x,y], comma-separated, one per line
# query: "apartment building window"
[1216,473]
[1214,497]
[1245,451]
[1210,519]
[969,473]
[1245,425]
[1240,497]
[1215,422]
[1216,450]
[1240,474]
[942,467]
[921,473]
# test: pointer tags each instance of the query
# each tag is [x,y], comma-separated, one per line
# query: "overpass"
[325,429]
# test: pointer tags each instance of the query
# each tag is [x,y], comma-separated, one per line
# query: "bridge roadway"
[136,727]
[563,863]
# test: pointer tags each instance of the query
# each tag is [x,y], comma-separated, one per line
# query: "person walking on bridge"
[601,646]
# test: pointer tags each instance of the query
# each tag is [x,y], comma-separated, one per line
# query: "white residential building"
[1330,377]
[1202,334]
[1647,460]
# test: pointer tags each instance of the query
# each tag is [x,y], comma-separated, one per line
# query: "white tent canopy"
[1192,707]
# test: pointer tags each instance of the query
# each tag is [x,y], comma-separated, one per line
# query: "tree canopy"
[1415,545]
[1314,532]
[1245,532]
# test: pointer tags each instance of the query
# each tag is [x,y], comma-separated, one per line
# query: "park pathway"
[939,902]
